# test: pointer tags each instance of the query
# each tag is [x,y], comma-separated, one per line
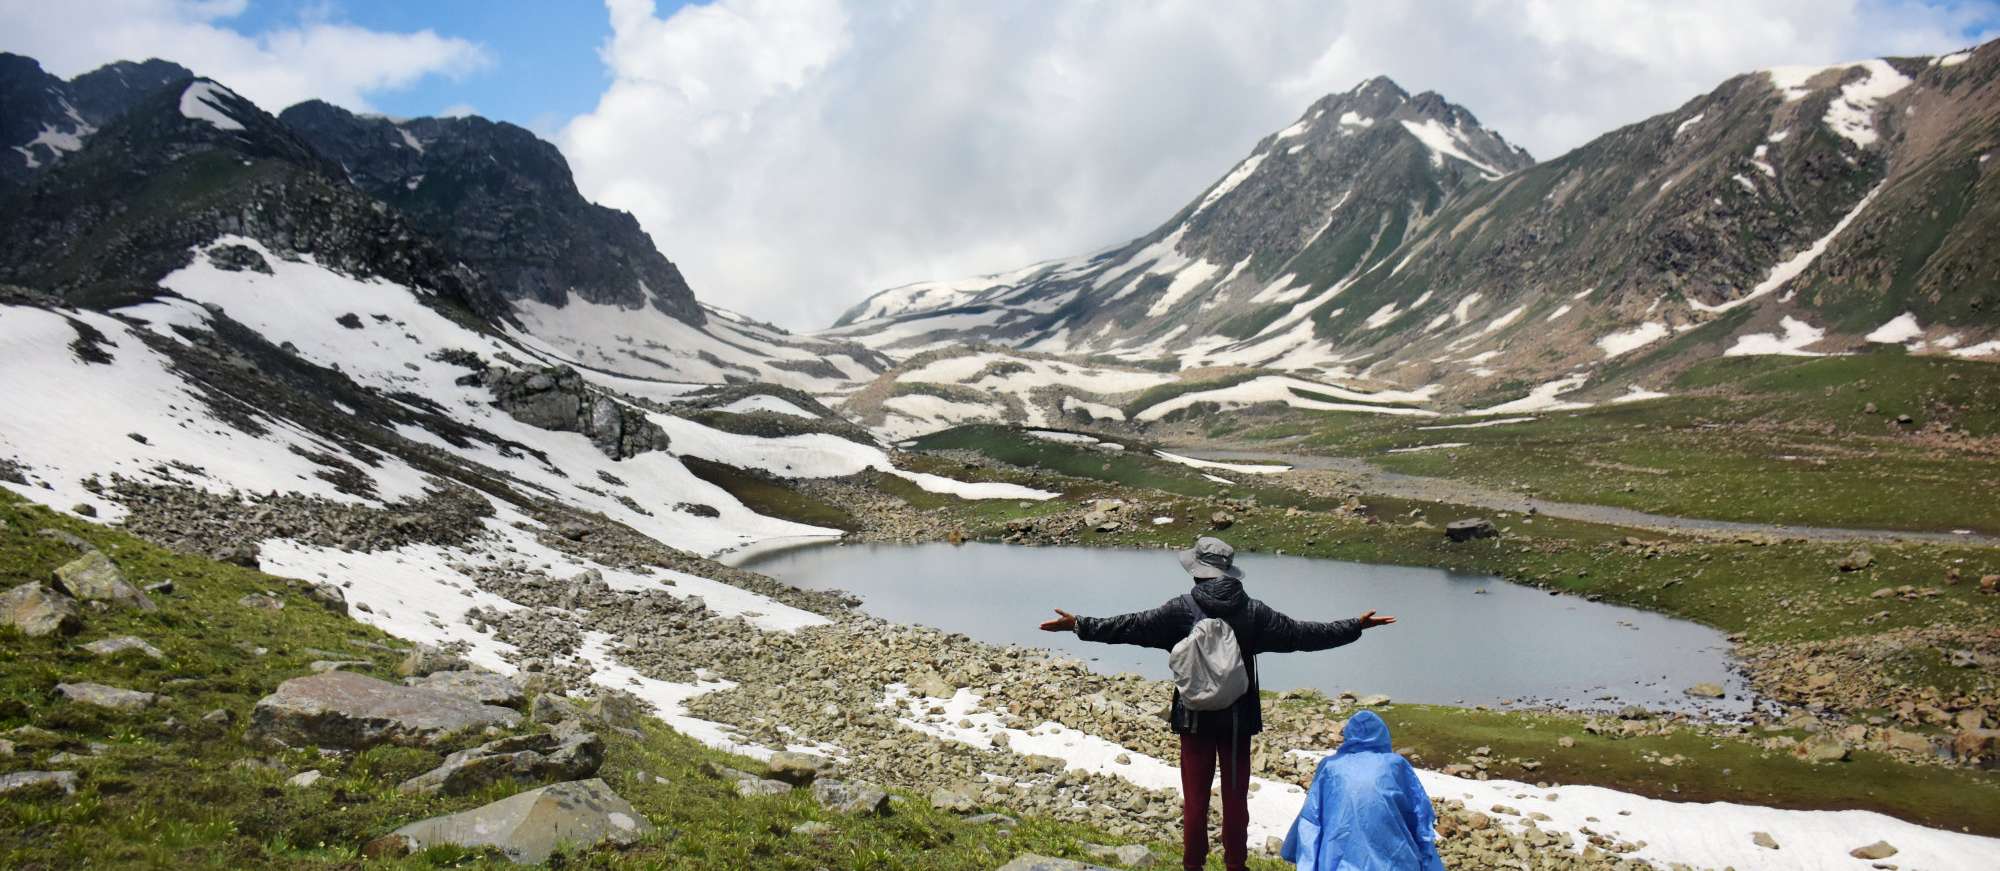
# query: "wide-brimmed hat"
[1211,558]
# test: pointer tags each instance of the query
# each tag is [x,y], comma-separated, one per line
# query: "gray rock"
[1706,691]
[958,798]
[619,708]
[37,610]
[63,780]
[487,689]
[105,696]
[355,711]
[797,769]
[1469,529]
[1129,855]
[1764,839]
[1002,820]
[110,646]
[71,540]
[426,660]
[813,829]
[245,554]
[752,786]
[850,797]
[552,708]
[222,716]
[528,827]
[562,754]
[93,577]
[1860,559]
[328,596]
[1033,862]
[305,779]
[262,602]
[1877,850]
[322,666]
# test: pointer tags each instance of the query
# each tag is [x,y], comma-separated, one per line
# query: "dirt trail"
[1368,479]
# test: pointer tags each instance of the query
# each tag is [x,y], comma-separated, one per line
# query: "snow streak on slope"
[647,343]
[1790,269]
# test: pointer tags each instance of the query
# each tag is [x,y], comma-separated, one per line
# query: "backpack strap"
[1194,606]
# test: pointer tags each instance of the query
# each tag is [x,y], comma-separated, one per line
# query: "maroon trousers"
[1199,755]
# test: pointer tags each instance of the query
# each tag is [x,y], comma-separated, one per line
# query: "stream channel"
[1460,639]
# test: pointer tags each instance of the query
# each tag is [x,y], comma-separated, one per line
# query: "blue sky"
[794,156]
[542,55]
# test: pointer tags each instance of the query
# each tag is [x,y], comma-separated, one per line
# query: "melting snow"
[1689,123]
[1559,312]
[1279,388]
[1632,339]
[1542,398]
[1503,321]
[1852,115]
[1791,81]
[1952,60]
[1980,350]
[1897,331]
[1187,279]
[767,402]
[1637,393]
[1797,335]
[1444,141]
[1247,468]
[1790,269]
[1480,424]
[199,102]
[1428,447]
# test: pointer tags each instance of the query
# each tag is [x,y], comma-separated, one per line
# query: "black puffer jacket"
[1258,628]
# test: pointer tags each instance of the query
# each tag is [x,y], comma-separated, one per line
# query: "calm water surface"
[1459,639]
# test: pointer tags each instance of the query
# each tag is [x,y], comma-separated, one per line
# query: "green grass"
[770,498]
[167,793]
[1715,768]
[1760,440]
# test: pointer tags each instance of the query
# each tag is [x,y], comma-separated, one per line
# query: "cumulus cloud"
[339,63]
[795,156]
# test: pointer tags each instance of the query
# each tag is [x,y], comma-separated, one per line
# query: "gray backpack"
[1208,664]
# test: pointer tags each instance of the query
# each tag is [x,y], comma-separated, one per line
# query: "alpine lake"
[1459,639]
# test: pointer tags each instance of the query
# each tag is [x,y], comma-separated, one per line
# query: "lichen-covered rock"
[122,643]
[528,827]
[37,610]
[355,711]
[850,797]
[94,577]
[426,660]
[63,780]
[481,687]
[563,753]
[105,696]
[797,769]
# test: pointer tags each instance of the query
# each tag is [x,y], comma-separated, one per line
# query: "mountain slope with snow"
[1386,241]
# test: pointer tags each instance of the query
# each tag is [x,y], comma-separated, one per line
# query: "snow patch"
[1791,269]
[1897,331]
[1542,398]
[1636,393]
[767,402]
[1797,335]
[1688,123]
[1428,447]
[1632,339]
[1246,468]
[1447,142]
[1852,115]
[199,102]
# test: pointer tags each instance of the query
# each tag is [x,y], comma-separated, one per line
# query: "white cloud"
[793,157]
[339,63]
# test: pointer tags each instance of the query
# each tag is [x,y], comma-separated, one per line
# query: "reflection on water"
[1459,639]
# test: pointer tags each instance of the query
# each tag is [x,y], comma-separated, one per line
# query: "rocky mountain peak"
[502,200]
[43,118]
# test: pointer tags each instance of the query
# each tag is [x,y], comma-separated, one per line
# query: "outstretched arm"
[1282,634]
[1065,623]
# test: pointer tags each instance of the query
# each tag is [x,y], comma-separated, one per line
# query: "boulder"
[552,708]
[958,798]
[105,696]
[481,687]
[1764,839]
[355,711]
[1877,850]
[753,786]
[37,610]
[1706,691]
[618,708]
[797,769]
[563,753]
[1034,862]
[63,780]
[262,602]
[1977,746]
[1130,855]
[1859,559]
[1469,529]
[850,797]
[329,596]
[529,826]
[110,646]
[425,660]
[93,577]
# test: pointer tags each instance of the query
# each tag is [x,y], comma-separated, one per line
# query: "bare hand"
[1067,622]
[1369,620]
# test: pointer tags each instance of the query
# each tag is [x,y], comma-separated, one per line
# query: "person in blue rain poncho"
[1365,811]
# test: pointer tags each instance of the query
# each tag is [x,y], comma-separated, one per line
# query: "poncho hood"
[1365,733]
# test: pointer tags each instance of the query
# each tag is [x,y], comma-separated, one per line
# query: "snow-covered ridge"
[201,102]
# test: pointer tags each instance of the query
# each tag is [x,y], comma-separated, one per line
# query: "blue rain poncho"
[1366,811]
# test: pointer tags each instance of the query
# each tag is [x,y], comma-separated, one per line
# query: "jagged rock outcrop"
[43,118]
[559,399]
[504,202]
